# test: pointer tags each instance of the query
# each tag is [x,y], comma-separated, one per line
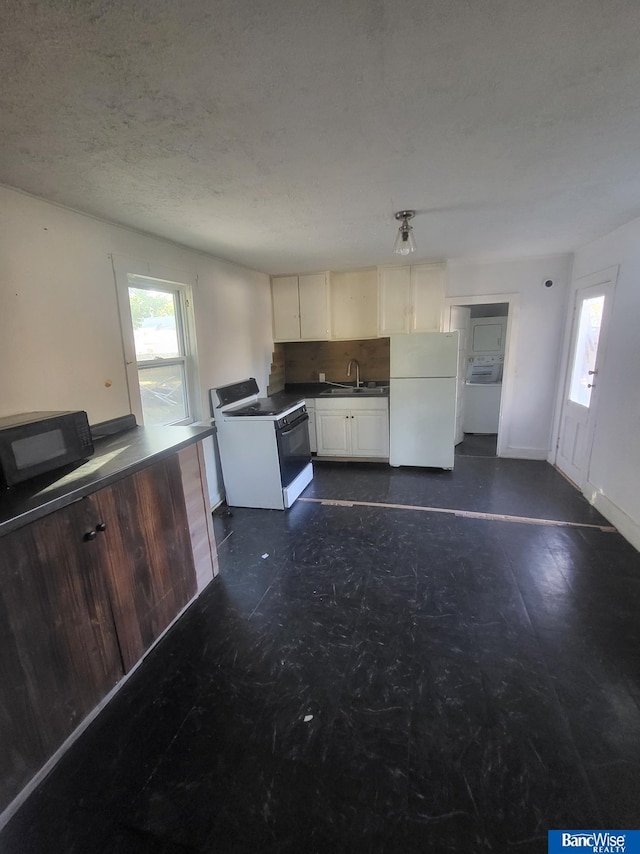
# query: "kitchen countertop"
[315,390]
[115,457]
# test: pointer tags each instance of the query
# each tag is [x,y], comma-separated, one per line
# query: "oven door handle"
[295,424]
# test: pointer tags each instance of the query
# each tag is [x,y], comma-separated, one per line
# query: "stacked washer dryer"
[483,388]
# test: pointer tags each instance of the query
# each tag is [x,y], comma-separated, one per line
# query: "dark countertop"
[287,398]
[115,457]
[314,390]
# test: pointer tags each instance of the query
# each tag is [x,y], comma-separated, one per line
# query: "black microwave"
[38,442]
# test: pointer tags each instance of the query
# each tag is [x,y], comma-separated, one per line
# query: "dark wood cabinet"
[150,572]
[59,654]
[84,592]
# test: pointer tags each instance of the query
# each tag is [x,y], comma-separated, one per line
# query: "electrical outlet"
[321,377]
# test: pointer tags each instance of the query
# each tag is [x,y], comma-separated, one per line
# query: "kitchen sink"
[347,392]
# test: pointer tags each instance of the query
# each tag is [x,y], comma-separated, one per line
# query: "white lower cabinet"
[333,432]
[353,428]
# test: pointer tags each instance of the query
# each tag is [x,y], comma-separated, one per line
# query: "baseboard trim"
[525,453]
[628,527]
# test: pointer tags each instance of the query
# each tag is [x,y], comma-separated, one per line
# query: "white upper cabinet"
[300,307]
[394,293]
[314,307]
[427,289]
[286,308]
[354,305]
[411,299]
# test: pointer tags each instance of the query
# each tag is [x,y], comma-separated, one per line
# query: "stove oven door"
[294,450]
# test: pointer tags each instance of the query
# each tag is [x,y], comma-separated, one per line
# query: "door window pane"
[163,394]
[155,328]
[586,350]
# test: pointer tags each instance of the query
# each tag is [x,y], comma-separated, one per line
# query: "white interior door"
[591,311]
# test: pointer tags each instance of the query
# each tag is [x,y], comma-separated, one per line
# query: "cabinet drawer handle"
[90,535]
[101,526]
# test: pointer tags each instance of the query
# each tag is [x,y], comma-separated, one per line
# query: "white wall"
[60,342]
[614,470]
[538,325]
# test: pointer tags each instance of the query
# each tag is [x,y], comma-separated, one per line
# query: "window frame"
[182,283]
[577,379]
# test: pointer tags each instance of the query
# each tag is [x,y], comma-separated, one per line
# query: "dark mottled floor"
[364,679]
[478,445]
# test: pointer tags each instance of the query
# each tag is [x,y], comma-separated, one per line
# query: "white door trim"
[187,282]
[508,372]
[606,278]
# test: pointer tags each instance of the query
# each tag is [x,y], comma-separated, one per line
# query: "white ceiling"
[284,134]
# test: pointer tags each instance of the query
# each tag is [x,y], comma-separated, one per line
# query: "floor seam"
[469,514]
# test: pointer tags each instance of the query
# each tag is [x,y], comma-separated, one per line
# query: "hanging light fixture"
[405,244]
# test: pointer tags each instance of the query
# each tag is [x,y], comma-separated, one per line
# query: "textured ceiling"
[284,134]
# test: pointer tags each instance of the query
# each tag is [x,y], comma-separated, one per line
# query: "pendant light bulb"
[405,243]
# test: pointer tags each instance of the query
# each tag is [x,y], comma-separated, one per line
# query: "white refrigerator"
[422,399]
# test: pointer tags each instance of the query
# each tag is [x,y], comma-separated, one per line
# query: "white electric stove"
[264,446]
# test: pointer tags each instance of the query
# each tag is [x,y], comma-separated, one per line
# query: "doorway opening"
[483,334]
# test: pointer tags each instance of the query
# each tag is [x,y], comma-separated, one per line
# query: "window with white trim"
[157,327]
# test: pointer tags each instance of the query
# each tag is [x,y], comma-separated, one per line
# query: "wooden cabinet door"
[59,654]
[150,562]
[369,433]
[313,293]
[394,285]
[427,297]
[333,432]
[286,308]
[354,304]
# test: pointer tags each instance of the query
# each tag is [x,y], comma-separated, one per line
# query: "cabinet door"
[427,297]
[354,305]
[286,308]
[313,293]
[59,654]
[369,433]
[394,284]
[151,570]
[333,431]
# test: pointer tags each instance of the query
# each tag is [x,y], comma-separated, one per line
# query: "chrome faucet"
[357,364]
